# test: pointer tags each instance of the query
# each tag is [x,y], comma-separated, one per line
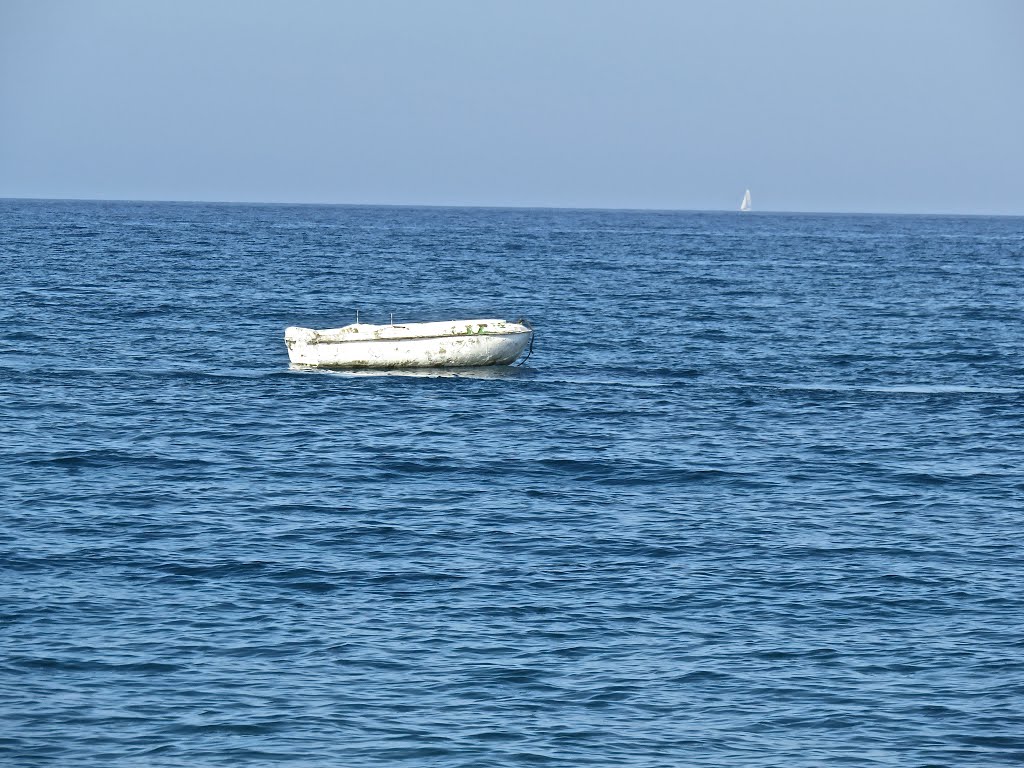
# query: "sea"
[755,499]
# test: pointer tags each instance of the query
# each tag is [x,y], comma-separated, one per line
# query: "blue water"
[755,500]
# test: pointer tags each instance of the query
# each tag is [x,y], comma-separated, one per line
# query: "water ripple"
[754,501]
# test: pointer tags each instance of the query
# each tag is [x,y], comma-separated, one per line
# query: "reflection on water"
[479,372]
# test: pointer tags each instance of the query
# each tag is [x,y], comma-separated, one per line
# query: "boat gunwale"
[481,334]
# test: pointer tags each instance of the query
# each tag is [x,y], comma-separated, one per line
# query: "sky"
[903,106]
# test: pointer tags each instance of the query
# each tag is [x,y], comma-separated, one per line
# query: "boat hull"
[458,344]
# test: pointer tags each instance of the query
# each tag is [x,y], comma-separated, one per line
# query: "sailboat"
[745,205]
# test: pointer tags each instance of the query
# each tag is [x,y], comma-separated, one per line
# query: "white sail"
[745,205]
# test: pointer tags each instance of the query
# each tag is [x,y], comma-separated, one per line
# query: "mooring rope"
[524,321]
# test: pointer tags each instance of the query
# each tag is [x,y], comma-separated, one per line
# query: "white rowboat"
[451,343]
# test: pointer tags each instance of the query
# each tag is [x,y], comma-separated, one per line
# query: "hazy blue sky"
[866,105]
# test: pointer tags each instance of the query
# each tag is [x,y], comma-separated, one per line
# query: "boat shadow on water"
[477,372]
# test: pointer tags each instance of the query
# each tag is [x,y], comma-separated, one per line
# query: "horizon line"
[503,207]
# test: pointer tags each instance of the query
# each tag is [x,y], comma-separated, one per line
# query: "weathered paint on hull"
[340,348]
